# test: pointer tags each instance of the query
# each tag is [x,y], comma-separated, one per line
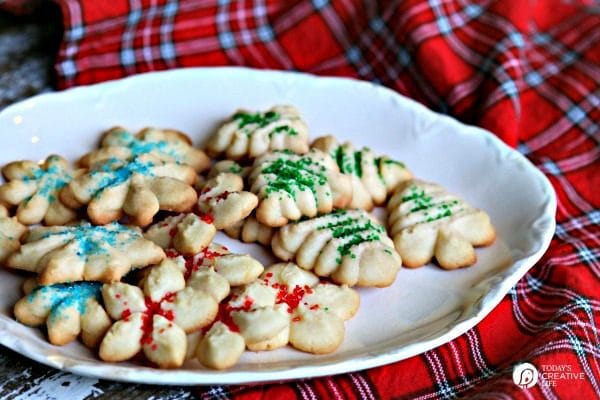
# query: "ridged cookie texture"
[373,177]
[187,233]
[11,232]
[224,199]
[425,221]
[291,186]
[138,188]
[251,134]
[167,145]
[84,252]
[34,189]
[68,310]
[349,246]
[286,305]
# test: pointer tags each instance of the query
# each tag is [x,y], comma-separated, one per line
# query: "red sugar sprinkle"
[314,307]
[222,196]
[293,298]
[173,231]
[154,347]
[154,308]
[209,219]
[296,319]
[248,301]
[126,314]
[118,295]
[269,274]
[172,253]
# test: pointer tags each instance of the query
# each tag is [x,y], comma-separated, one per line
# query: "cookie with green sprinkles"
[425,221]
[11,231]
[373,177]
[137,188]
[166,144]
[67,309]
[248,134]
[349,246]
[84,252]
[291,186]
[33,188]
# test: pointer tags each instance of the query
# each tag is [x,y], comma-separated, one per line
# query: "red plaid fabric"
[527,71]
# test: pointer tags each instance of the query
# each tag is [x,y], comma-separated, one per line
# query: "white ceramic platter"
[425,308]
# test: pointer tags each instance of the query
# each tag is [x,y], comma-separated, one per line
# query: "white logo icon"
[525,375]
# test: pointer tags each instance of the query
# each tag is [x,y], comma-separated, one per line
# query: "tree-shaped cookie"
[286,305]
[166,144]
[187,233]
[291,186]
[68,310]
[425,221]
[84,252]
[156,317]
[138,188]
[251,134]
[373,177]
[223,198]
[348,245]
[34,188]
[11,231]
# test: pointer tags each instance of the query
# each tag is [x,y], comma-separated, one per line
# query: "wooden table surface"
[27,48]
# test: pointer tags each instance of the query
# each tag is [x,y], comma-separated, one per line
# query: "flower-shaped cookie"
[348,245]
[34,188]
[223,197]
[291,186]
[251,231]
[11,232]
[426,221]
[84,252]
[373,178]
[288,305]
[155,319]
[166,144]
[138,188]
[68,310]
[250,135]
[186,233]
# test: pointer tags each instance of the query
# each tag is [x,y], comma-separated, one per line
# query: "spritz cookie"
[291,186]
[138,188]
[84,252]
[156,317]
[349,246]
[68,310]
[373,177]
[187,233]
[251,231]
[34,189]
[224,199]
[11,232]
[425,221]
[286,305]
[167,145]
[251,134]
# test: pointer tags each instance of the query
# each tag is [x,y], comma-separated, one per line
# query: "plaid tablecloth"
[529,71]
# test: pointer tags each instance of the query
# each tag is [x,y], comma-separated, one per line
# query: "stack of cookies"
[120,248]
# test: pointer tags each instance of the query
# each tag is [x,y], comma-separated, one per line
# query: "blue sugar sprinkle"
[139,147]
[119,171]
[62,296]
[50,181]
[94,240]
